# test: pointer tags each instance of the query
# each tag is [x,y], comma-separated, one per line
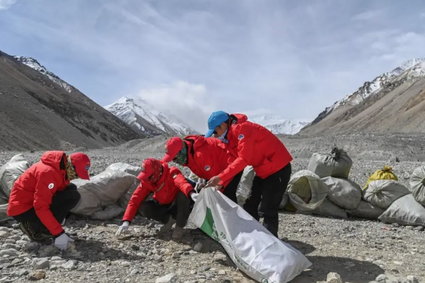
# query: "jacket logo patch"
[51,186]
[207,168]
[241,136]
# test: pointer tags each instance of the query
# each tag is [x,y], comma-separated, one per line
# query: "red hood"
[52,158]
[198,140]
[241,117]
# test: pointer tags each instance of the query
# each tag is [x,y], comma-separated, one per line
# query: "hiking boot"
[34,235]
[167,226]
[177,233]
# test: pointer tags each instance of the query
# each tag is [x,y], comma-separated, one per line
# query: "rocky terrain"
[357,250]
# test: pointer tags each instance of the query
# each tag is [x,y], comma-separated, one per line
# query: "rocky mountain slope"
[38,110]
[145,119]
[393,102]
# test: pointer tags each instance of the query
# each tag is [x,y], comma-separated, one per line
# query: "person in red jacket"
[205,157]
[254,145]
[42,196]
[170,199]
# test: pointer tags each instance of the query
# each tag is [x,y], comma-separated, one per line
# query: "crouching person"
[170,201]
[42,196]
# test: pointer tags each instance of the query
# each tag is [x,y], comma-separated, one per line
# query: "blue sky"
[191,57]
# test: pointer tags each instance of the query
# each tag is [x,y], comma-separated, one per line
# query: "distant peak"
[34,64]
[411,63]
[143,117]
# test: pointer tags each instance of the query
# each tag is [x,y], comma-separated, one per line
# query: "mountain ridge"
[144,118]
[380,105]
[39,112]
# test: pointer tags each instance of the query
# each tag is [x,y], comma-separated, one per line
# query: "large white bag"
[251,247]
[406,211]
[102,191]
[335,164]
[9,172]
[382,193]
[343,192]
[306,191]
[417,184]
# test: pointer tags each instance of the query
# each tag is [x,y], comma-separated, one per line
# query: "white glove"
[63,241]
[122,228]
[194,196]
[199,185]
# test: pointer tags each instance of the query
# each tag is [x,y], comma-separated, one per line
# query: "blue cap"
[215,120]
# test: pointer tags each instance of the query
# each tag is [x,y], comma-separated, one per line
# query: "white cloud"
[189,102]
[6,4]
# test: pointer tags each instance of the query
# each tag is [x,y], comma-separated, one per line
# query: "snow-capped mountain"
[142,117]
[411,69]
[34,64]
[393,102]
[278,125]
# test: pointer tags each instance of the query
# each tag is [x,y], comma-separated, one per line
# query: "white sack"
[102,190]
[336,164]
[9,172]
[284,201]
[417,184]
[109,212]
[3,213]
[245,184]
[306,190]
[327,208]
[124,167]
[382,193]
[342,192]
[406,211]
[249,244]
[366,210]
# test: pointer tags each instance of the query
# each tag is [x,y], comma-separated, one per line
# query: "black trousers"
[179,209]
[230,189]
[269,193]
[62,202]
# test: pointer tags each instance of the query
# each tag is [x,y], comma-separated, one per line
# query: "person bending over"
[254,145]
[205,157]
[170,201]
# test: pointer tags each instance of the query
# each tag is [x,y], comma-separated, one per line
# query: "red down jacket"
[207,157]
[36,187]
[164,191]
[254,145]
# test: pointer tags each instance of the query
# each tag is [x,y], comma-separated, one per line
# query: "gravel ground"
[358,250]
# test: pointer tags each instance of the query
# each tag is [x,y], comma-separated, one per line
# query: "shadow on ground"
[304,248]
[92,251]
[350,270]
